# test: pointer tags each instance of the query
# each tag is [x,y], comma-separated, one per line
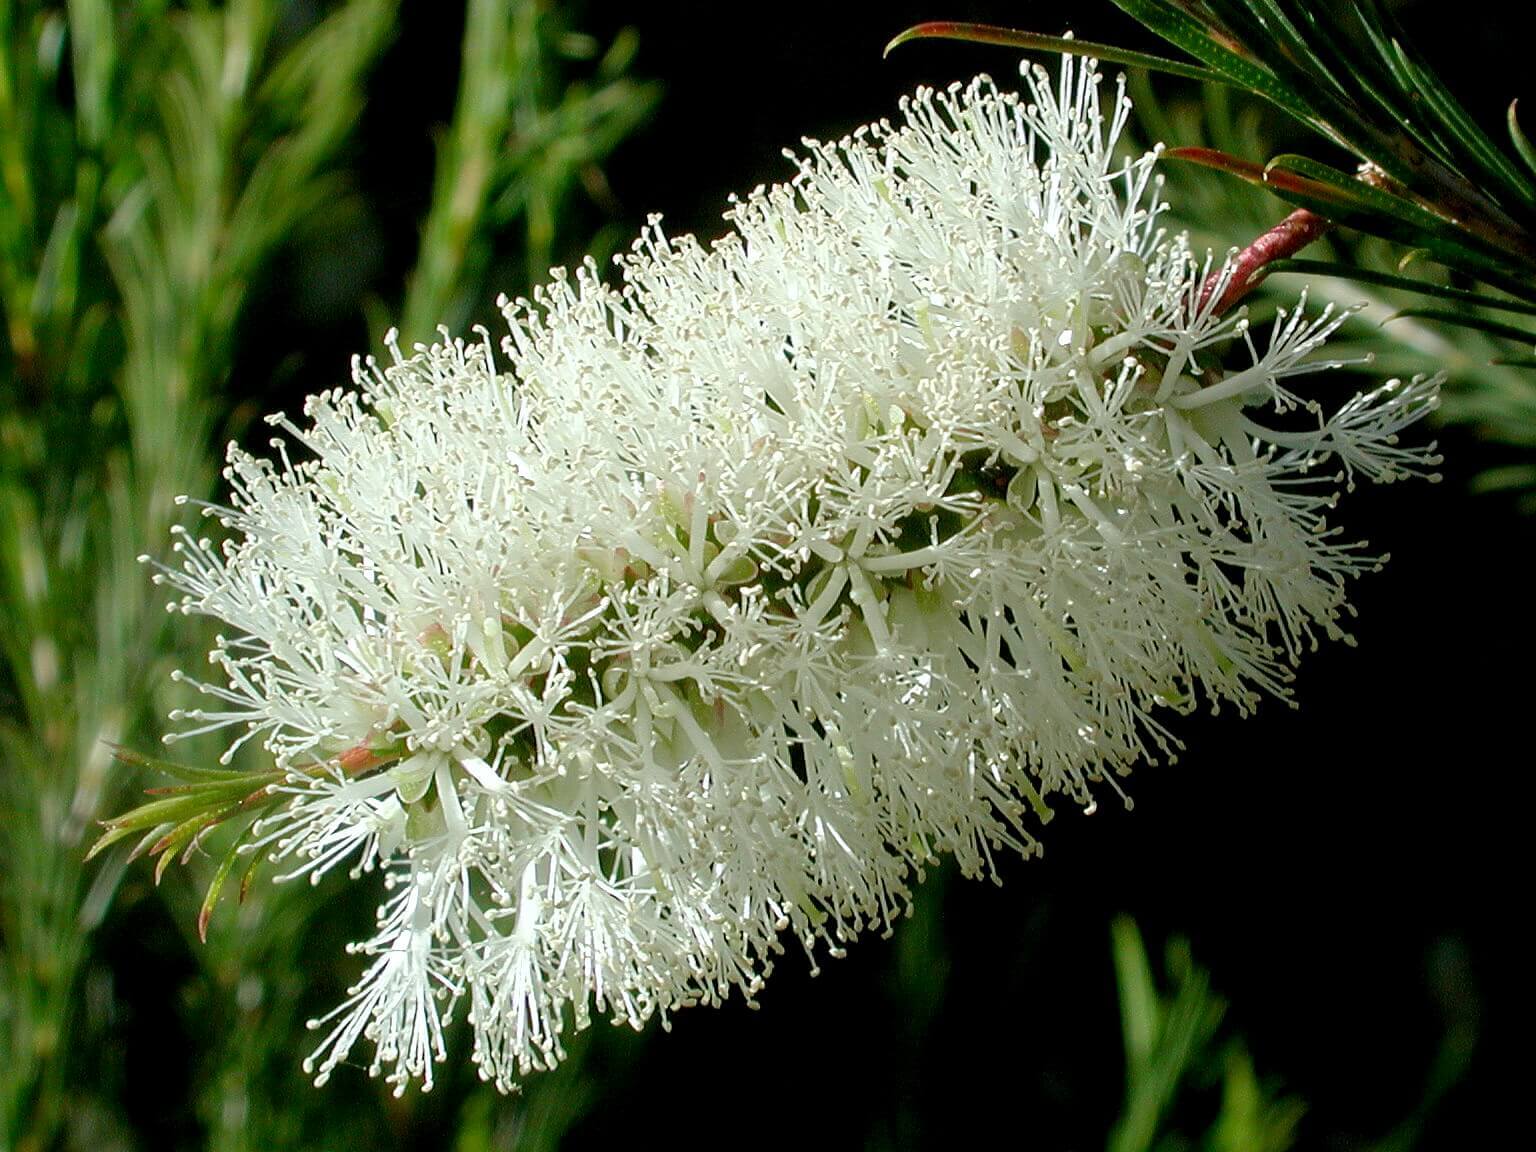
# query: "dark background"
[1353,870]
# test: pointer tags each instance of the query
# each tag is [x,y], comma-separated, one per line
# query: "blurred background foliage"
[205,209]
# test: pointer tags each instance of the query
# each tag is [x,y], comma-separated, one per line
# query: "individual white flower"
[742,591]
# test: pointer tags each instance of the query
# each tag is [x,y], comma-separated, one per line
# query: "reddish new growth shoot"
[1285,239]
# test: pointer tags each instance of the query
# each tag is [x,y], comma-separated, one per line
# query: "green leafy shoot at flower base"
[177,823]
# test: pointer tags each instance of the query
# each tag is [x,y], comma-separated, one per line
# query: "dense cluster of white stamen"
[736,594]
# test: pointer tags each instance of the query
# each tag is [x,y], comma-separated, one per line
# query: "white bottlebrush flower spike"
[734,596]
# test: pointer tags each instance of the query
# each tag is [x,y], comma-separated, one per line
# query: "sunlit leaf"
[1139,1016]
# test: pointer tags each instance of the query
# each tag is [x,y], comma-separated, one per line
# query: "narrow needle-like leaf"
[1518,137]
[215,886]
[1016,38]
[1307,267]
[1468,320]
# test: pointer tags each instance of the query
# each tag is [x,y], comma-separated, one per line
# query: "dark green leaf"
[1367,71]
[1469,320]
[1258,174]
[1265,30]
[1183,31]
[1478,152]
[1014,38]
[1343,204]
[1495,259]
[1522,143]
[242,784]
[1383,51]
[1368,197]
[1405,283]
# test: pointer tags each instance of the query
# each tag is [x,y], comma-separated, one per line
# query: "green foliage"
[1346,72]
[140,205]
[155,160]
[1035,42]
[1171,1040]
[1176,1050]
[524,137]
[1436,181]
[1464,335]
